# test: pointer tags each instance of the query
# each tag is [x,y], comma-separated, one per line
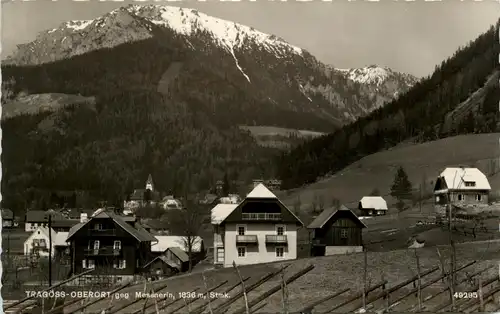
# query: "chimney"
[83,217]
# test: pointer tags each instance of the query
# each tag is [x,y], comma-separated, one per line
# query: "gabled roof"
[165,242]
[64,223]
[177,251]
[328,214]
[221,211]
[138,232]
[165,260]
[58,238]
[260,191]
[375,202]
[455,178]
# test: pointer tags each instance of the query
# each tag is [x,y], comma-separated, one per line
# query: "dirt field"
[330,274]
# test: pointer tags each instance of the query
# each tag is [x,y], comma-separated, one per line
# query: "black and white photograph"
[224,157]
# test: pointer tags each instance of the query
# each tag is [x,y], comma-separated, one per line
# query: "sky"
[410,37]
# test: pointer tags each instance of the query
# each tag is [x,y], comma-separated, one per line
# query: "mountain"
[460,97]
[279,76]
[97,105]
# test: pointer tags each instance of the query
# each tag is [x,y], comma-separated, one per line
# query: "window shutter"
[124,264]
[84,263]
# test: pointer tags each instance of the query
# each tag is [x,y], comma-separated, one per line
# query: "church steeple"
[149,183]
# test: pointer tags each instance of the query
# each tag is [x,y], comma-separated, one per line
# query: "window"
[88,264]
[470,183]
[122,264]
[96,244]
[280,230]
[98,226]
[280,252]
[117,245]
[241,230]
[478,197]
[461,197]
[343,234]
[242,251]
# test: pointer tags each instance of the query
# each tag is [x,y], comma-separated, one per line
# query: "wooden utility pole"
[50,250]
[420,198]
[452,247]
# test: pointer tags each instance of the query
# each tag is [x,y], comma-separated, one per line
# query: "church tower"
[149,183]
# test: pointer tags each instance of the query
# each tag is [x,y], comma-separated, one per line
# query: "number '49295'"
[466,295]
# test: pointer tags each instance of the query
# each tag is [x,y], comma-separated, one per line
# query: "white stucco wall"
[28,243]
[260,253]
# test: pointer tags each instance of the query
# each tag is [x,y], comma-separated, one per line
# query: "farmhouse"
[116,247]
[372,206]
[260,229]
[38,243]
[173,261]
[336,231]
[461,187]
[37,218]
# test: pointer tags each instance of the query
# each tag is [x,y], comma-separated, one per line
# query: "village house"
[372,206]
[260,229]
[173,261]
[165,242]
[38,243]
[142,197]
[336,231]
[37,218]
[116,247]
[461,187]
[7,218]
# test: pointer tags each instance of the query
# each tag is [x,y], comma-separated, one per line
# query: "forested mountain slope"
[460,97]
[97,105]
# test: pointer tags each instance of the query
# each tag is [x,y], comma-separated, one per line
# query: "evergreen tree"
[401,189]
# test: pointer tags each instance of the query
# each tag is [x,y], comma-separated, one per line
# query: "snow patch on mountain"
[225,33]
[78,25]
[367,75]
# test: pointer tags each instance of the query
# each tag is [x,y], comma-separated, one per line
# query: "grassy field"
[422,162]
[332,273]
[276,137]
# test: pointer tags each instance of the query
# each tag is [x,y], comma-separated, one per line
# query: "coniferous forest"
[420,115]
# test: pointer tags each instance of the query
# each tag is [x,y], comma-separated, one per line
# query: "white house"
[373,205]
[38,242]
[260,229]
[462,187]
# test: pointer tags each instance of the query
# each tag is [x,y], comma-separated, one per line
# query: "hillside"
[460,97]
[282,138]
[169,89]
[422,162]
[331,274]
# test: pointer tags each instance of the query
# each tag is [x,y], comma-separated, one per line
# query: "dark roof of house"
[165,260]
[177,251]
[137,232]
[7,214]
[327,214]
[64,223]
[74,213]
[42,216]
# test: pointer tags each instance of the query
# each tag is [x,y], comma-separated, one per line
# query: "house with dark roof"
[37,218]
[173,261]
[260,229]
[336,230]
[115,247]
[7,218]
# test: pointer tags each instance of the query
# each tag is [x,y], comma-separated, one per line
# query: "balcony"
[102,232]
[261,216]
[105,251]
[276,239]
[246,239]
